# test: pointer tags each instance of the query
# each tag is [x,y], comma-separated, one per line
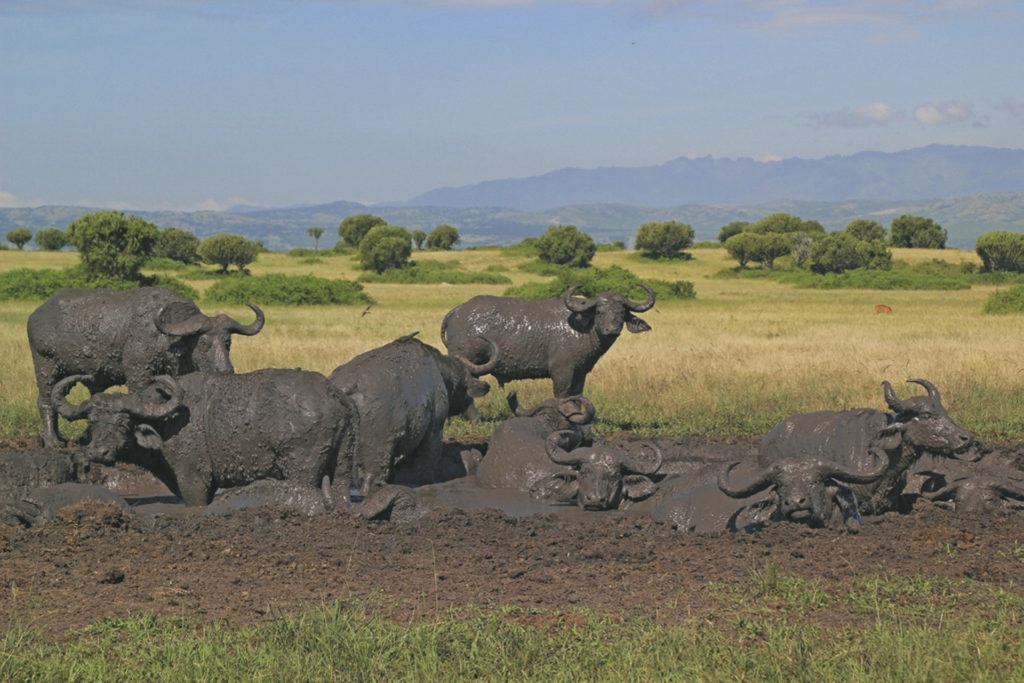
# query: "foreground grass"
[775,627]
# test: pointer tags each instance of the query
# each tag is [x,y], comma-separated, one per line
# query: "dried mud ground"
[95,561]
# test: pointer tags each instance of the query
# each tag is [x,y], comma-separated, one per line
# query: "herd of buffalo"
[292,437]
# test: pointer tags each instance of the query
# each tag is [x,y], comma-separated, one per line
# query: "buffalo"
[601,477]
[560,338]
[972,487]
[917,425]
[516,454]
[404,392]
[124,337]
[200,432]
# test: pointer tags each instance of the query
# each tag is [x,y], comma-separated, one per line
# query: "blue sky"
[188,105]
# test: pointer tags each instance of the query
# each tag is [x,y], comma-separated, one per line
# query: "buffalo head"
[603,476]
[610,310]
[211,335]
[808,489]
[923,423]
[983,493]
[117,421]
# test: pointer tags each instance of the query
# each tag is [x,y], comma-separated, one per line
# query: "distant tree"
[178,245]
[734,228]
[840,251]
[664,239]
[787,224]
[866,229]
[315,233]
[917,232]
[52,239]
[744,247]
[771,246]
[443,236]
[228,250]
[19,237]
[112,244]
[418,236]
[385,247]
[354,228]
[1001,250]
[565,245]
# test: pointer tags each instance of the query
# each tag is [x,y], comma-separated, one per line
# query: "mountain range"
[967,190]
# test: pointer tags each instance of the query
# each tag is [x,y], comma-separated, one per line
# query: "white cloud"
[1014,106]
[871,114]
[8,200]
[947,111]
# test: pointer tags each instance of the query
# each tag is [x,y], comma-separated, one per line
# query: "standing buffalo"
[404,391]
[561,338]
[201,432]
[124,337]
[917,425]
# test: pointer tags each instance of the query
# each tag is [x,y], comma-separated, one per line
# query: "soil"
[95,560]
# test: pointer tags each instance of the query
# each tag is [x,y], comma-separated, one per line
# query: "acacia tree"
[443,236]
[664,239]
[315,233]
[866,229]
[566,245]
[228,250]
[354,228]
[112,244]
[841,251]
[19,237]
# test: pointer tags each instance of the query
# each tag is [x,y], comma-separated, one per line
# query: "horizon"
[189,106]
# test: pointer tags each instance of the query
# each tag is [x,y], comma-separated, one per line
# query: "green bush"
[1006,301]
[443,236]
[294,290]
[27,284]
[838,252]
[1001,250]
[433,272]
[111,244]
[917,232]
[228,250]
[385,247]
[51,239]
[565,245]
[597,280]
[664,239]
[353,229]
[177,245]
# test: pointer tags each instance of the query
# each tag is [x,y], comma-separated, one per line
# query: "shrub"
[597,280]
[917,232]
[112,245]
[1006,301]
[27,284]
[664,239]
[1001,250]
[292,290]
[385,247]
[52,239]
[228,250]
[565,245]
[841,251]
[432,272]
[866,229]
[443,237]
[177,245]
[734,228]
[354,228]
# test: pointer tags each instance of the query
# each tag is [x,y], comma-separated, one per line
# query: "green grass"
[773,627]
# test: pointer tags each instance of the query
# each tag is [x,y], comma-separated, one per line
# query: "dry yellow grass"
[738,358]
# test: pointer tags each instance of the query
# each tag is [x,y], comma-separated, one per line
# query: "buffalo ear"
[638,487]
[478,388]
[891,437]
[556,488]
[635,324]
[148,438]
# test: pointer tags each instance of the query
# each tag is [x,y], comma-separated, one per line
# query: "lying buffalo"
[404,392]
[124,337]
[973,487]
[201,432]
[601,477]
[561,338]
[917,425]
[516,454]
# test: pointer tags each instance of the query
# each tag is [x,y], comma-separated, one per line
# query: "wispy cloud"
[1014,106]
[8,200]
[947,111]
[872,114]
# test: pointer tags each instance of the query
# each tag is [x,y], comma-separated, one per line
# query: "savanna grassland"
[96,594]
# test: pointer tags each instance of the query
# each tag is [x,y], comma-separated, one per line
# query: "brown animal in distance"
[882,308]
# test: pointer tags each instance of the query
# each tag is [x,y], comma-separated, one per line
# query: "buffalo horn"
[231,325]
[580,411]
[556,453]
[576,305]
[945,493]
[197,323]
[154,410]
[640,308]
[631,465]
[760,481]
[890,397]
[854,476]
[59,393]
[476,369]
[933,392]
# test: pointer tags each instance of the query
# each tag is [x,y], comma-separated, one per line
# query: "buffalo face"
[204,342]
[610,311]
[925,424]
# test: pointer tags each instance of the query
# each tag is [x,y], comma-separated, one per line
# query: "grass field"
[741,356]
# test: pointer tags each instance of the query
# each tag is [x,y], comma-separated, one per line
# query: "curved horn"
[59,393]
[631,465]
[851,475]
[229,324]
[945,493]
[647,305]
[582,411]
[197,323]
[575,305]
[145,409]
[933,392]
[759,482]
[552,448]
[891,398]
[483,368]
